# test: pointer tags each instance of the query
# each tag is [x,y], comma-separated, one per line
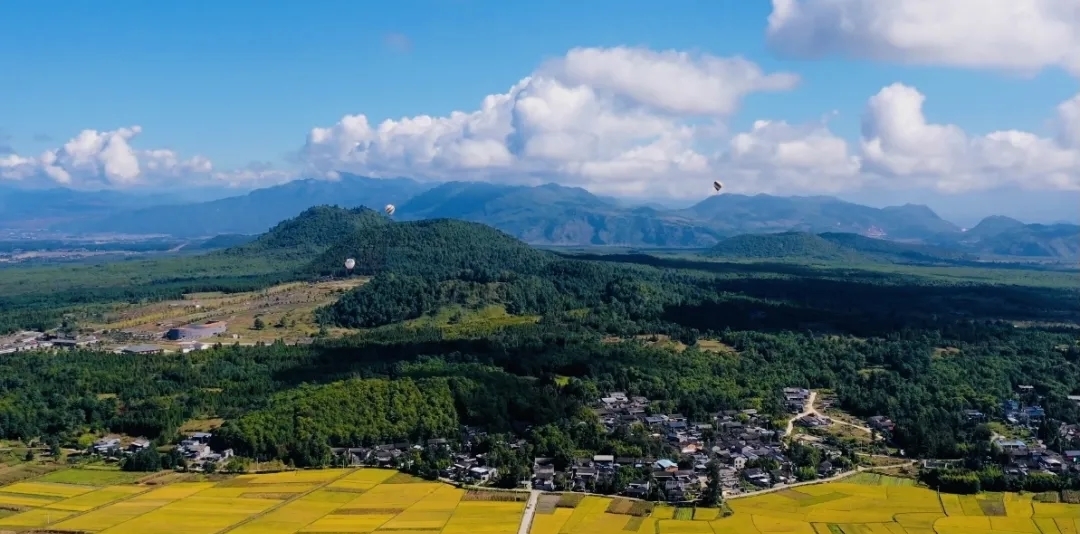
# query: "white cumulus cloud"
[644,123]
[777,157]
[616,120]
[899,143]
[107,159]
[1016,35]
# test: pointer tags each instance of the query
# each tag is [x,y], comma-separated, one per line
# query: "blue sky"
[244,81]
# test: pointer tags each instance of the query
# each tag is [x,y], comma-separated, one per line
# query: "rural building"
[196,331]
[188,346]
[107,445]
[68,343]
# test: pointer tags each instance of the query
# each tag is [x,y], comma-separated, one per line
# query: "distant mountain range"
[252,213]
[46,208]
[542,215]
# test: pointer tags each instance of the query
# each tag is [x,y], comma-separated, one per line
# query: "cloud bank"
[107,159]
[640,122]
[1022,36]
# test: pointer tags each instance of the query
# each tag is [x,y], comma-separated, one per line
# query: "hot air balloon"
[717,186]
[350,263]
[389,209]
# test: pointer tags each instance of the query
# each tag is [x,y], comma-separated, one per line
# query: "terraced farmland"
[383,502]
[331,500]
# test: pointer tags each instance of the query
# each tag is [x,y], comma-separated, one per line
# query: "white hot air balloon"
[350,263]
[389,209]
[717,186]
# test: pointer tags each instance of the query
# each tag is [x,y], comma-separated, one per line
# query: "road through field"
[530,511]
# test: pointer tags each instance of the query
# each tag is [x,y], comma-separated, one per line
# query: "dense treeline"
[509,379]
[994,479]
[918,349]
[301,424]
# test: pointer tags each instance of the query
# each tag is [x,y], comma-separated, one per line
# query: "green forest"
[917,344]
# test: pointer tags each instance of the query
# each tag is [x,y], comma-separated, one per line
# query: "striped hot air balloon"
[389,209]
[717,186]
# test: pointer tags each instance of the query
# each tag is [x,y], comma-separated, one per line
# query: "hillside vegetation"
[299,424]
[831,247]
[583,321]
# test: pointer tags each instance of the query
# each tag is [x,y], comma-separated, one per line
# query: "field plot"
[91,477]
[893,506]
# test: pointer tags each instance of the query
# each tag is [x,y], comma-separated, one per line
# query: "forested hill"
[434,248]
[310,233]
[830,247]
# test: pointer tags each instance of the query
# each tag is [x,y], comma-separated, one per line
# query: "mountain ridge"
[556,215]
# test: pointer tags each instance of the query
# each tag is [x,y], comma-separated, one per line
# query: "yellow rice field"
[363,501]
[332,500]
[884,507]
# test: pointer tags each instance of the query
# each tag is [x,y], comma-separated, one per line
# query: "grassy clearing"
[711,345]
[1007,431]
[15,473]
[91,477]
[941,352]
[201,425]
[456,321]
[287,310]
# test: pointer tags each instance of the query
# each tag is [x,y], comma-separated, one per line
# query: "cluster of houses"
[739,440]
[795,399]
[1025,458]
[464,467]
[1023,417]
[195,449]
[30,340]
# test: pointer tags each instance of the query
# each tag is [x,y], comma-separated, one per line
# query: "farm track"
[530,511]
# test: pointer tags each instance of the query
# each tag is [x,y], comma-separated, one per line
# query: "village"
[748,452]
